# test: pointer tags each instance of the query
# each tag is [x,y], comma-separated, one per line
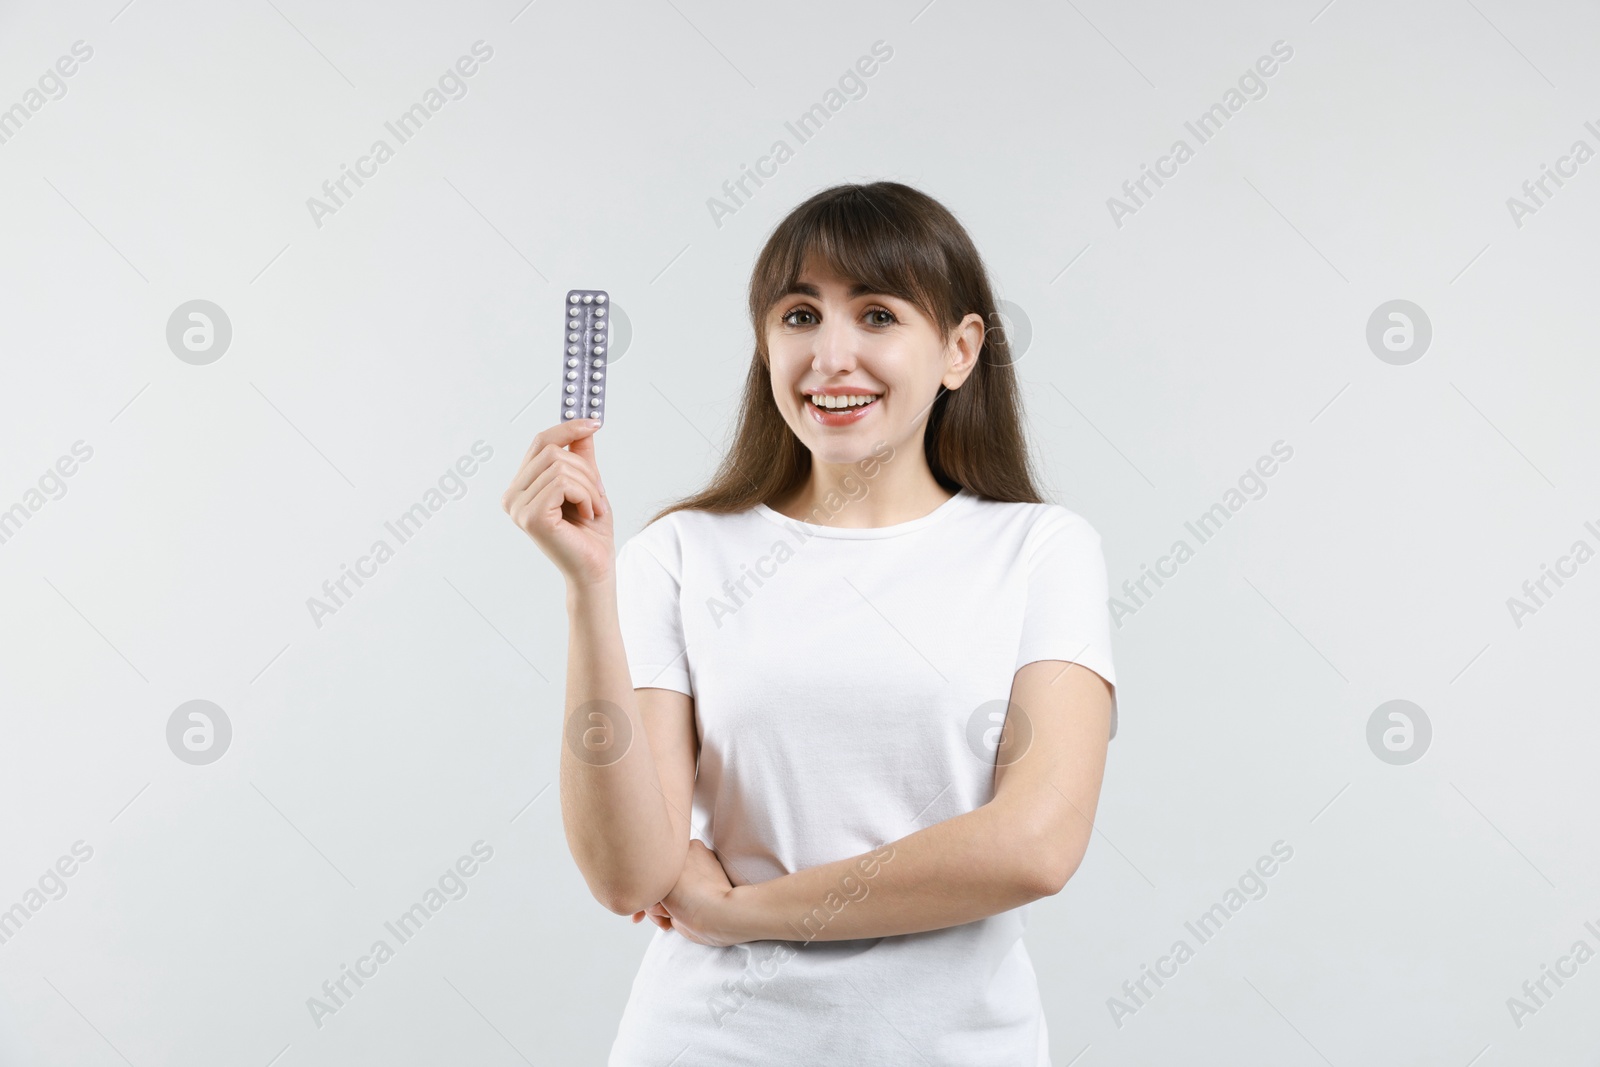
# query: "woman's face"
[829,340]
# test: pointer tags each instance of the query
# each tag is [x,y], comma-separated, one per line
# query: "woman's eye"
[789,318]
[888,317]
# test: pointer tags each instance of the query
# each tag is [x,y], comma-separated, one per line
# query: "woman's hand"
[558,499]
[700,906]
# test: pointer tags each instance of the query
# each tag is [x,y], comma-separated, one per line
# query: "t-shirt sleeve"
[1067,616]
[650,613]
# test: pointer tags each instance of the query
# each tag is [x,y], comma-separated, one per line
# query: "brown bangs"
[871,240]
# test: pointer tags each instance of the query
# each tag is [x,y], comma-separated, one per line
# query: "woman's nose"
[835,349]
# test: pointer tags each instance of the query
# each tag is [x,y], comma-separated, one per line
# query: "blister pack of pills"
[583,355]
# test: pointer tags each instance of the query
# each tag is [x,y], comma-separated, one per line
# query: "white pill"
[599,350]
[588,298]
[599,363]
[572,350]
[601,299]
[599,313]
[573,299]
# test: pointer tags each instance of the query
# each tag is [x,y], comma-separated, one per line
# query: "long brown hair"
[899,242]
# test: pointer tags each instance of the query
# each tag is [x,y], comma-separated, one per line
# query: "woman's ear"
[966,343]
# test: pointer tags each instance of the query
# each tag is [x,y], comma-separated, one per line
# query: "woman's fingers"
[559,484]
[565,439]
[532,467]
[562,434]
[579,489]
[549,442]
[583,448]
[581,457]
[572,473]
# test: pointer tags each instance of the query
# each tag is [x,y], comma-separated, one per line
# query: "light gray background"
[1167,354]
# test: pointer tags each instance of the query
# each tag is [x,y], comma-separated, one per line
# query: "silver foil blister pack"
[585,336]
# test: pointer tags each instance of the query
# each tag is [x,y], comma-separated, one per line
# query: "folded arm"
[1022,845]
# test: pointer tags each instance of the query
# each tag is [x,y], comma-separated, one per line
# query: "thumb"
[584,446]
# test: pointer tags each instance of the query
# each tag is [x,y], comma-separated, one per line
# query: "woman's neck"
[849,498]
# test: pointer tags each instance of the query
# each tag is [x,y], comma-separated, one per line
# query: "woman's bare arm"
[626,819]
[627,764]
[1022,845]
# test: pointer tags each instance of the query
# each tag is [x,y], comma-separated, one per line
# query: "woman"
[835,720]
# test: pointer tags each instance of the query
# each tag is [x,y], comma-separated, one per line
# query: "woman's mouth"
[841,410]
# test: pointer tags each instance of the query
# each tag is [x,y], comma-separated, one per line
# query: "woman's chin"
[838,453]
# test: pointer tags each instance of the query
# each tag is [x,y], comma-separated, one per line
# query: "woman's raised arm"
[626,820]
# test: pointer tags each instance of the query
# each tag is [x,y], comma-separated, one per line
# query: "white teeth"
[841,401]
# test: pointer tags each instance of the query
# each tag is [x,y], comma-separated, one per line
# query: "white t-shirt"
[848,688]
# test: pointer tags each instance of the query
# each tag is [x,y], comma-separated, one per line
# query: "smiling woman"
[897,742]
